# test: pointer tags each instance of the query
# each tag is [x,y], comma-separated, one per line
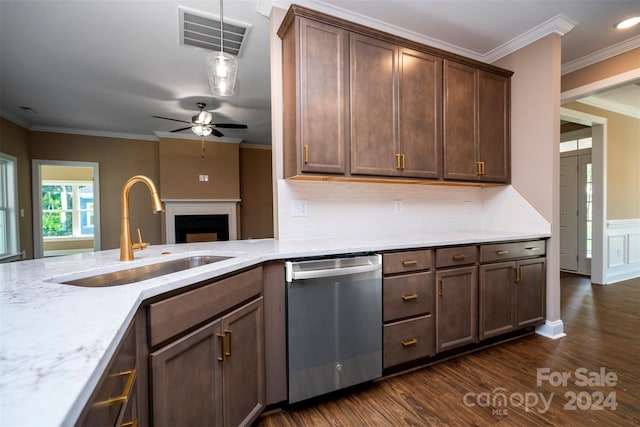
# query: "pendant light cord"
[221,30]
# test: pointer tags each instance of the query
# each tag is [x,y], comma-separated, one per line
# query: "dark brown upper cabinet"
[360,102]
[315,87]
[476,124]
[395,104]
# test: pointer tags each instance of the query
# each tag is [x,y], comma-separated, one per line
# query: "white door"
[569,213]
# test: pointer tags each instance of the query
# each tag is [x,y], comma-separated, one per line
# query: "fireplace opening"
[201,228]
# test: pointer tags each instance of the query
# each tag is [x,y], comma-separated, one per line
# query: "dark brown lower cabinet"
[213,376]
[456,307]
[512,296]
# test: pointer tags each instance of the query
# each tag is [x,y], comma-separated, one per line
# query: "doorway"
[576,202]
[66,207]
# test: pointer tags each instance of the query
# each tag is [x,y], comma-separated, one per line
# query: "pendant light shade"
[222,67]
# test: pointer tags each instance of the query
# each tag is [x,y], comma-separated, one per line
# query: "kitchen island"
[57,339]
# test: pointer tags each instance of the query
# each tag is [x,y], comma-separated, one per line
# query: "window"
[575,144]
[589,210]
[67,209]
[9,245]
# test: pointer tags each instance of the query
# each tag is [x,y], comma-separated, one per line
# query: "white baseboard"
[553,330]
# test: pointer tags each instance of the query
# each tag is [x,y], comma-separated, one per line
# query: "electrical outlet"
[397,207]
[467,208]
[299,208]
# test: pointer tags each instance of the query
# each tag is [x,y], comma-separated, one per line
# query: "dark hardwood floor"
[600,358]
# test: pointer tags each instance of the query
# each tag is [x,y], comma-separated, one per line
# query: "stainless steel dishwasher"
[334,324]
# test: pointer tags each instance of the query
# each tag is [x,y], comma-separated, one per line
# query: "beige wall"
[601,70]
[256,212]
[623,161]
[182,162]
[535,140]
[14,140]
[118,159]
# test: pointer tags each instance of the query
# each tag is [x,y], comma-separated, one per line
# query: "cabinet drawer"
[406,261]
[407,295]
[174,315]
[507,251]
[462,255]
[407,340]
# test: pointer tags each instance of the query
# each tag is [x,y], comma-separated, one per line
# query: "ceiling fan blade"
[181,129]
[229,125]
[216,132]
[168,118]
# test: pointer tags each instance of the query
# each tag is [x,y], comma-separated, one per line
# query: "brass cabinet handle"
[409,297]
[229,334]
[402,157]
[518,271]
[533,248]
[502,252]
[409,343]
[132,423]
[131,377]
[222,353]
[398,164]
[306,153]
[458,257]
[440,287]
[410,262]
[480,168]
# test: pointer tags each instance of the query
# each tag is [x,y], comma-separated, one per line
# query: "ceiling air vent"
[201,30]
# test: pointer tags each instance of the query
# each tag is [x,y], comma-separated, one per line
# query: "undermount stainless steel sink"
[144,272]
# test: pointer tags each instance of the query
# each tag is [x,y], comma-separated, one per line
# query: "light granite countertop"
[56,340]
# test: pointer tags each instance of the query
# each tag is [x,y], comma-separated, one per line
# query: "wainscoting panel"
[623,250]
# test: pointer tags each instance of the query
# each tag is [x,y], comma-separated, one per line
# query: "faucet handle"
[140,245]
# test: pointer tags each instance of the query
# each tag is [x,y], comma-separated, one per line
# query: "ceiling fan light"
[222,69]
[202,130]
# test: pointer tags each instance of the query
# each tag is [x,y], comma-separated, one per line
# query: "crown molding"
[559,24]
[86,132]
[607,104]
[15,120]
[601,55]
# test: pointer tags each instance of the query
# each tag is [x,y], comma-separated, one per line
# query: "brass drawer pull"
[409,297]
[398,164]
[409,343]
[458,257]
[410,262]
[222,353]
[480,168]
[132,423]
[533,248]
[131,377]
[402,157]
[306,153]
[502,252]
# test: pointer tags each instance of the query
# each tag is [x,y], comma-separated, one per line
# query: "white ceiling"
[106,67]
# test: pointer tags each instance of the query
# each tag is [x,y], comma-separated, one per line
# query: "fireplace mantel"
[175,207]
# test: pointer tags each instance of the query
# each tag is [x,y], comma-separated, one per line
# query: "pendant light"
[222,68]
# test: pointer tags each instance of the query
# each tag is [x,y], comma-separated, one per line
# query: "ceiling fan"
[201,124]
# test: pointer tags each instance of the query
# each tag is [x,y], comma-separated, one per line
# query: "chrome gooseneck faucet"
[126,247]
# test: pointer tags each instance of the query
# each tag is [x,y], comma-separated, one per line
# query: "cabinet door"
[187,379]
[456,308]
[530,292]
[460,116]
[373,106]
[419,107]
[497,297]
[323,98]
[243,374]
[494,127]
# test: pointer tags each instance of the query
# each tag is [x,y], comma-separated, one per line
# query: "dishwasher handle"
[328,272]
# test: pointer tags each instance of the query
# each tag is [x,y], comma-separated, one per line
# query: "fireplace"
[188,221]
